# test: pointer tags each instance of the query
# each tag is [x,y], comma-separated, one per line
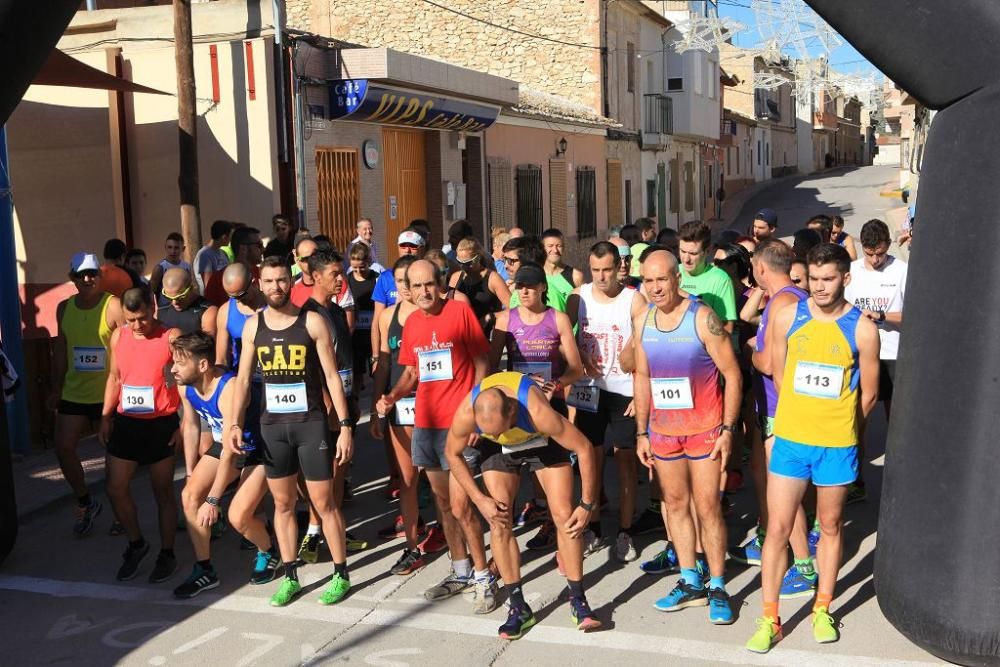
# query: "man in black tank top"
[180,306]
[294,352]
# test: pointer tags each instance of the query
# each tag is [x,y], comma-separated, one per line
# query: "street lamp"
[561,147]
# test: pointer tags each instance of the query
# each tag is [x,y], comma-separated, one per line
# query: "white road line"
[452,623]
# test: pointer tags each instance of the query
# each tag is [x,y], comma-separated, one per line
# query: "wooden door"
[405,174]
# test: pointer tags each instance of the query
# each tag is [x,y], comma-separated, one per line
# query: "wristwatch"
[213,501]
[727,427]
[881,316]
[587,506]
[347,423]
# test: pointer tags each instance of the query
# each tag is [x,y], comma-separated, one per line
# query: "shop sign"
[367,101]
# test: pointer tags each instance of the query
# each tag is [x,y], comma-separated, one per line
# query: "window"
[729,161]
[529,198]
[651,86]
[615,198]
[675,84]
[689,186]
[697,75]
[758,152]
[713,79]
[558,213]
[499,179]
[338,192]
[737,160]
[651,198]
[768,155]
[586,202]
[630,65]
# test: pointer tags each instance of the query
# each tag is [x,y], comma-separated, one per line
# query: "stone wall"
[415,27]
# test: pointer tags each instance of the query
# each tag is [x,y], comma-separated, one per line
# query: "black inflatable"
[28,32]
[937,564]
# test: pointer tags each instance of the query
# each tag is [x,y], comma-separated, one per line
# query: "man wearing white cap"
[79,372]
[410,242]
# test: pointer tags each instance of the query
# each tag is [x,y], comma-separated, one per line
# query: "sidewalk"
[38,481]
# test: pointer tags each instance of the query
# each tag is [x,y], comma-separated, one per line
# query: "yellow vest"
[87,337]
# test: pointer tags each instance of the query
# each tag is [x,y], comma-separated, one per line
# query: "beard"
[278,300]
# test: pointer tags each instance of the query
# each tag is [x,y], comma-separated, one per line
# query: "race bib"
[89,359]
[584,397]
[435,365]
[406,411]
[286,398]
[533,443]
[671,393]
[543,368]
[363,319]
[136,400]
[347,379]
[818,380]
[214,424]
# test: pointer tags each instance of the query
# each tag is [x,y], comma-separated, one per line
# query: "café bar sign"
[371,102]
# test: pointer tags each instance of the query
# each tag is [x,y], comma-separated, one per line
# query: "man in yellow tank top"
[79,373]
[824,358]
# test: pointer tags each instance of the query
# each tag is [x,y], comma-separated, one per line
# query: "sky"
[844,58]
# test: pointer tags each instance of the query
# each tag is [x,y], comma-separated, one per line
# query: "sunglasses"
[303,259]
[177,297]
[511,260]
[468,262]
[89,273]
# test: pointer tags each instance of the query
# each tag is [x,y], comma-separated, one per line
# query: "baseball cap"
[84,261]
[767,215]
[410,238]
[529,274]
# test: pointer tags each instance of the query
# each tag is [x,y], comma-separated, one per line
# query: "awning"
[63,70]
[375,102]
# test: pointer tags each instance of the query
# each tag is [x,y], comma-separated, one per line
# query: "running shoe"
[219,527]
[856,494]
[683,595]
[449,586]
[116,529]
[484,599]
[813,537]
[166,565]
[795,585]
[545,538]
[286,592]
[335,591]
[584,618]
[131,560]
[309,549]
[411,561]
[85,516]
[592,543]
[201,579]
[749,552]
[663,562]
[624,549]
[648,522]
[355,544]
[767,635]
[434,542]
[719,610]
[519,620]
[265,567]
[531,513]
[824,627]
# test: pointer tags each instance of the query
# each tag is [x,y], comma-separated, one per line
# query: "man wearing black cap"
[765,222]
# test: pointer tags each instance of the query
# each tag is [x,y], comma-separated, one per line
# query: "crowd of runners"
[672,355]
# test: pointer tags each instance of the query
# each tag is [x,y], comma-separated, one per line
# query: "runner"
[293,350]
[116,276]
[604,310]
[822,225]
[174,249]
[771,264]
[702,279]
[539,342]
[500,237]
[840,237]
[444,354]
[361,282]
[410,242]
[686,424]
[518,427]
[627,262]
[246,246]
[564,277]
[804,240]
[824,358]
[877,288]
[139,426]
[210,258]
[135,262]
[85,323]
[180,306]
[486,290]
[305,246]
[208,396]
[245,299]
[284,238]
[764,225]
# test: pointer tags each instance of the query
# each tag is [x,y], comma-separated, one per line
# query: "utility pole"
[187,131]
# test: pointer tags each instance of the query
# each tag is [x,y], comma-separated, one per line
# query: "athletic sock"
[463,568]
[771,611]
[206,564]
[292,570]
[482,575]
[514,593]
[805,567]
[575,588]
[823,601]
[718,583]
[341,569]
[314,529]
[692,577]
[84,500]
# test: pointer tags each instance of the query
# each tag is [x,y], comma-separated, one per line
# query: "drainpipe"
[300,158]
[91,5]
[278,19]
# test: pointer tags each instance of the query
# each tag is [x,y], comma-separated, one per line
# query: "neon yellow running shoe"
[768,634]
[335,591]
[824,627]
[286,592]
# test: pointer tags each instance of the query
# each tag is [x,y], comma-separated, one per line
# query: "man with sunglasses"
[179,305]
[410,242]
[247,250]
[79,373]
[303,287]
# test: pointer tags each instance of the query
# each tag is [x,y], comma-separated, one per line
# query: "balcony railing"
[659,114]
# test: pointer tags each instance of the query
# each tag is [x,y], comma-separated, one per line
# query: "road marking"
[379,658]
[344,614]
[71,625]
[271,642]
[198,641]
[154,628]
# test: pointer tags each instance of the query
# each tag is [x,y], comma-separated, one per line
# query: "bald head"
[660,262]
[493,411]
[516,232]
[423,279]
[176,280]
[236,278]
[421,270]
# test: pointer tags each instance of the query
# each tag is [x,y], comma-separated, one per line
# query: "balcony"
[727,132]
[658,121]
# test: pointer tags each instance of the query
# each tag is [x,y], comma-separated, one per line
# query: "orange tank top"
[145,392]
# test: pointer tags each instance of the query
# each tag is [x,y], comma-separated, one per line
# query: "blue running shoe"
[663,562]
[813,537]
[719,611]
[795,585]
[749,552]
[683,595]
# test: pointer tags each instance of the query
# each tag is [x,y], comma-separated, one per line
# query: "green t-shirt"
[715,288]
[636,252]
[555,295]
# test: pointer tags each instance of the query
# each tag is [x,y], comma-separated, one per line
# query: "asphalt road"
[62,605]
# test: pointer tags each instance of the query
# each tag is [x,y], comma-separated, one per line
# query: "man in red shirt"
[445,354]
[247,249]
